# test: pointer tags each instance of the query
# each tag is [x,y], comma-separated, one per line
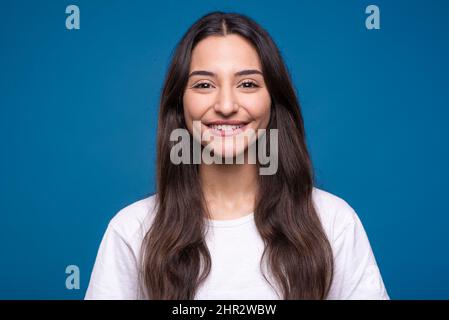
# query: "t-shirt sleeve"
[356,273]
[114,275]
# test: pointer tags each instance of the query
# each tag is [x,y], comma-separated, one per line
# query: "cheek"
[194,107]
[190,110]
[259,108]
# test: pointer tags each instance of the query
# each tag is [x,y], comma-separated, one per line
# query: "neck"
[229,189]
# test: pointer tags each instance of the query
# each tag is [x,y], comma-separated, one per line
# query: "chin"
[230,153]
[227,152]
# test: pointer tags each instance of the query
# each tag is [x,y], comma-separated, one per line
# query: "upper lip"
[228,122]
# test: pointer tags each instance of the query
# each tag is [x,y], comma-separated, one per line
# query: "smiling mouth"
[225,130]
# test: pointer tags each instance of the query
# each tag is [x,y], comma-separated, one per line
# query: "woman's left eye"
[249,84]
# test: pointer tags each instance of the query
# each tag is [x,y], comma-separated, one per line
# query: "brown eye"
[249,85]
[202,85]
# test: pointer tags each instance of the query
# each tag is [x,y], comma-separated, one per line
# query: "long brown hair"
[175,258]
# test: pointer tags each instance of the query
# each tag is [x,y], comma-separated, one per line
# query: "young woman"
[226,231]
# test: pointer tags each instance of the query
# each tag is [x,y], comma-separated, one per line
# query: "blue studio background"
[79,109]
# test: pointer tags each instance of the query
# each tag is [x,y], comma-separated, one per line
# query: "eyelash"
[254,85]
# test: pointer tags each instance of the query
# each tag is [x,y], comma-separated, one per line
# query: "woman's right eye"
[202,85]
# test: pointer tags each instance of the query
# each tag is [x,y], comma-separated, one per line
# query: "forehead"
[224,52]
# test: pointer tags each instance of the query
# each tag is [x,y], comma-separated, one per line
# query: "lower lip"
[227,133]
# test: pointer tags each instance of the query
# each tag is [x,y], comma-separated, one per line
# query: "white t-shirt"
[236,248]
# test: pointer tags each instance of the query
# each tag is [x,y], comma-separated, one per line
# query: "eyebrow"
[211,74]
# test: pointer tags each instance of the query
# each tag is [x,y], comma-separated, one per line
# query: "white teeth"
[225,126]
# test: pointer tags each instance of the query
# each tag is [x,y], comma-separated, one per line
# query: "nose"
[226,103]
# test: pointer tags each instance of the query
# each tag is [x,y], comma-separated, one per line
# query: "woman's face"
[226,91]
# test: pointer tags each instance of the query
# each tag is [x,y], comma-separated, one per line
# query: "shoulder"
[134,220]
[334,212]
[356,273]
[116,267]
